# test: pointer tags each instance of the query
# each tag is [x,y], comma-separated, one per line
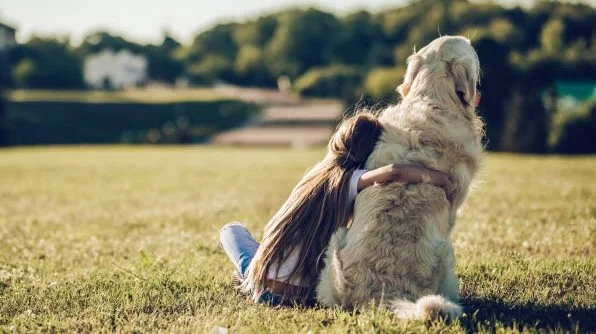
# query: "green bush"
[50,122]
[381,83]
[331,81]
[574,132]
[46,63]
[211,69]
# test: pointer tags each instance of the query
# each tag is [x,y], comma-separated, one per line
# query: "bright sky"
[145,20]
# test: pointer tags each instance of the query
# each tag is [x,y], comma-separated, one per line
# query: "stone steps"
[309,123]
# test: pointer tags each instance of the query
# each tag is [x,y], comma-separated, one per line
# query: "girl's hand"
[406,174]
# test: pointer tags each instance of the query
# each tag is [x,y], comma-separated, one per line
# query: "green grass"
[126,239]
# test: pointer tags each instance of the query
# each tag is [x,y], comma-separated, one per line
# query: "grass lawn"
[126,239]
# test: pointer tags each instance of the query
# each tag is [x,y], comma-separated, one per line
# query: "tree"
[331,81]
[381,83]
[496,86]
[48,63]
[255,33]
[250,67]
[217,41]
[552,36]
[102,40]
[3,128]
[24,72]
[210,69]
[303,39]
[211,55]
[574,131]
[359,29]
[163,64]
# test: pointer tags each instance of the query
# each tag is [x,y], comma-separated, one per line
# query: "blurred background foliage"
[524,52]
[115,121]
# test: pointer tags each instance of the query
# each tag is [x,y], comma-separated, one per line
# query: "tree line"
[361,56]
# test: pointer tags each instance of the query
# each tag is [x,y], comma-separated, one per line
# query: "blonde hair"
[316,207]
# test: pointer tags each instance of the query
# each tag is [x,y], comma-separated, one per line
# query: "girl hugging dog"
[285,267]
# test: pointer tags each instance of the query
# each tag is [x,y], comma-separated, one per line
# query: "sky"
[146,20]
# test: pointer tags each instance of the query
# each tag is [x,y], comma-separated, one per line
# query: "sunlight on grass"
[126,238]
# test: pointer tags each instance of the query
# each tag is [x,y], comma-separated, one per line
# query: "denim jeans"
[241,247]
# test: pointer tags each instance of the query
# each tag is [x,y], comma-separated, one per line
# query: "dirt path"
[286,120]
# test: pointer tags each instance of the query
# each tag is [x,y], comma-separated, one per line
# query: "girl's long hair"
[316,207]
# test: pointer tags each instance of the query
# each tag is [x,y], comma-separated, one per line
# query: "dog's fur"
[397,251]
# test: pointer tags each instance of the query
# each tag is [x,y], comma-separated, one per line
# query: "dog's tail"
[426,308]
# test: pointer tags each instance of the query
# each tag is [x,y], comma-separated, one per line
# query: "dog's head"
[447,68]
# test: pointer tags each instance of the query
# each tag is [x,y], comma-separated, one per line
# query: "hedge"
[381,83]
[331,81]
[574,131]
[59,122]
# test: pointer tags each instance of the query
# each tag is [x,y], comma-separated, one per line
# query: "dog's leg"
[449,285]
[332,283]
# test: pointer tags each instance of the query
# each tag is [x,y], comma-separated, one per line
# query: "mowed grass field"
[126,239]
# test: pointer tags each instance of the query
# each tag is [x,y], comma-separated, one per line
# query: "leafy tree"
[216,41]
[574,132]
[102,40]
[381,83]
[3,125]
[337,80]
[256,33]
[250,67]
[210,69]
[47,63]
[163,64]
[303,39]
[495,86]
[396,23]
[212,54]
[359,29]
[552,36]
[23,72]
[503,31]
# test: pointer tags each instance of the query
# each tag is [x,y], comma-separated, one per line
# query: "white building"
[115,70]
[7,37]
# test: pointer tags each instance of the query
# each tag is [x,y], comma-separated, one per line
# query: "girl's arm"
[402,173]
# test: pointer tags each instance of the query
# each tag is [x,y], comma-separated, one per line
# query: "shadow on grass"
[486,313]
[491,315]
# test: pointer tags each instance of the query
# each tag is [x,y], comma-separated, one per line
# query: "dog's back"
[397,250]
[398,245]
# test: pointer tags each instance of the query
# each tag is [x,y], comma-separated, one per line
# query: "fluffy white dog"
[397,251]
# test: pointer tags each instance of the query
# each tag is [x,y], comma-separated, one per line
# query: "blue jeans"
[241,247]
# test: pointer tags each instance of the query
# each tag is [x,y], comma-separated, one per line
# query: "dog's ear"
[414,64]
[403,89]
[465,82]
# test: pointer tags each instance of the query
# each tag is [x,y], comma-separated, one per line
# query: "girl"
[285,266]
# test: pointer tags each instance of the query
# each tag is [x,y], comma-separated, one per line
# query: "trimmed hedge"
[381,83]
[574,132]
[52,122]
[331,81]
